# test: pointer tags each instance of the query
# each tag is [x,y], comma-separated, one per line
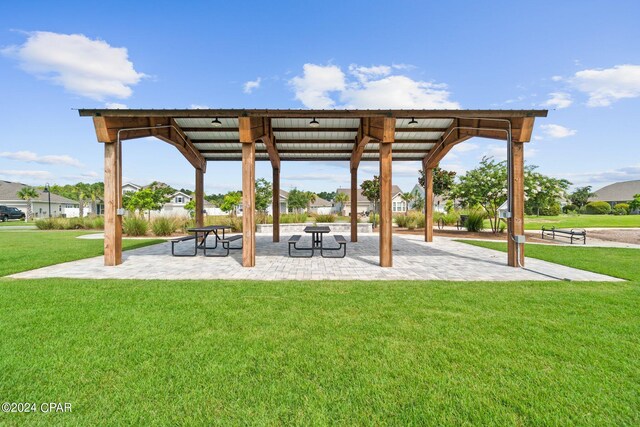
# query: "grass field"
[218,353]
[314,353]
[26,250]
[617,262]
[582,221]
[15,223]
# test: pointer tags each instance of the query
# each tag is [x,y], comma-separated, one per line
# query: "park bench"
[226,245]
[183,239]
[293,242]
[571,234]
[342,242]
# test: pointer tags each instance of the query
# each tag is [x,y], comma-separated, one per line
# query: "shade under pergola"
[251,135]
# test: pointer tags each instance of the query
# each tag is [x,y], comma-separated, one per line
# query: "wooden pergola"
[311,135]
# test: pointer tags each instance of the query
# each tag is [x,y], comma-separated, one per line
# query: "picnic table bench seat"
[342,246]
[293,242]
[226,246]
[183,239]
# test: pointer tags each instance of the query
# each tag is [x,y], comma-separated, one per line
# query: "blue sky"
[580,59]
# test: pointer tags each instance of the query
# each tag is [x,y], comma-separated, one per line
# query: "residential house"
[319,206]
[176,204]
[60,206]
[364,206]
[619,192]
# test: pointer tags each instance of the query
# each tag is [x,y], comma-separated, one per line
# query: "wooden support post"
[386,219]
[112,199]
[515,225]
[199,197]
[353,198]
[428,204]
[248,193]
[275,208]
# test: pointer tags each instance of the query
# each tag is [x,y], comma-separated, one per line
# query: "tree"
[580,196]
[484,186]
[328,195]
[371,190]
[215,199]
[191,207]
[443,181]
[341,199]
[81,190]
[298,199]
[95,192]
[27,194]
[231,202]
[542,191]
[145,200]
[418,201]
[311,197]
[407,198]
[634,205]
[264,195]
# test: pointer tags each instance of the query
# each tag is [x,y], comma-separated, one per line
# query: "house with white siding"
[60,206]
[364,206]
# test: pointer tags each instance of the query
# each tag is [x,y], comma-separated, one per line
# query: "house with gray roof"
[619,192]
[60,206]
[364,205]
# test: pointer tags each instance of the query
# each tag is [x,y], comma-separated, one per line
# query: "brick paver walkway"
[413,259]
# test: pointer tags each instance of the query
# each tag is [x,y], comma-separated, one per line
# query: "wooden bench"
[342,245]
[293,242]
[183,239]
[572,234]
[226,242]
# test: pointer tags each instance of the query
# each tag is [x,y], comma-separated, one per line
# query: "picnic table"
[204,233]
[316,234]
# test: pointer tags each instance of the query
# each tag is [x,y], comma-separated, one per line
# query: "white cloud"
[31,157]
[317,81]
[556,78]
[83,66]
[199,107]
[29,174]
[600,179]
[558,100]
[365,73]
[115,106]
[464,147]
[370,87]
[557,131]
[458,168]
[605,86]
[251,85]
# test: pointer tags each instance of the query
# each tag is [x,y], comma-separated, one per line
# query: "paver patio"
[444,259]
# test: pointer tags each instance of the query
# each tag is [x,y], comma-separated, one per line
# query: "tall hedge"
[598,208]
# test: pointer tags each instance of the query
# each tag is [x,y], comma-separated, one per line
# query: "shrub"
[377,217]
[401,220]
[97,223]
[622,206]
[45,224]
[325,218]
[451,218]
[598,208]
[293,218]
[412,223]
[134,226]
[475,221]
[570,208]
[420,221]
[551,210]
[163,226]
[263,218]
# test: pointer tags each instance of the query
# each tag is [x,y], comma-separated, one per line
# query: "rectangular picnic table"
[205,231]
[316,234]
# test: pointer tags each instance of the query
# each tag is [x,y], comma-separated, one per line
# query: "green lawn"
[127,352]
[15,223]
[618,262]
[265,353]
[26,250]
[582,221]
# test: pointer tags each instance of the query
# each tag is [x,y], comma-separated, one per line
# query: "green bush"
[598,208]
[420,221]
[451,218]
[570,208]
[86,223]
[622,206]
[45,224]
[377,217]
[134,226]
[293,218]
[412,223]
[325,218]
[163,226]
[551,210]
[475,221]
[401,220]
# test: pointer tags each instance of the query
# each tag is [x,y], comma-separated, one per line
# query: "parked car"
[7,213]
